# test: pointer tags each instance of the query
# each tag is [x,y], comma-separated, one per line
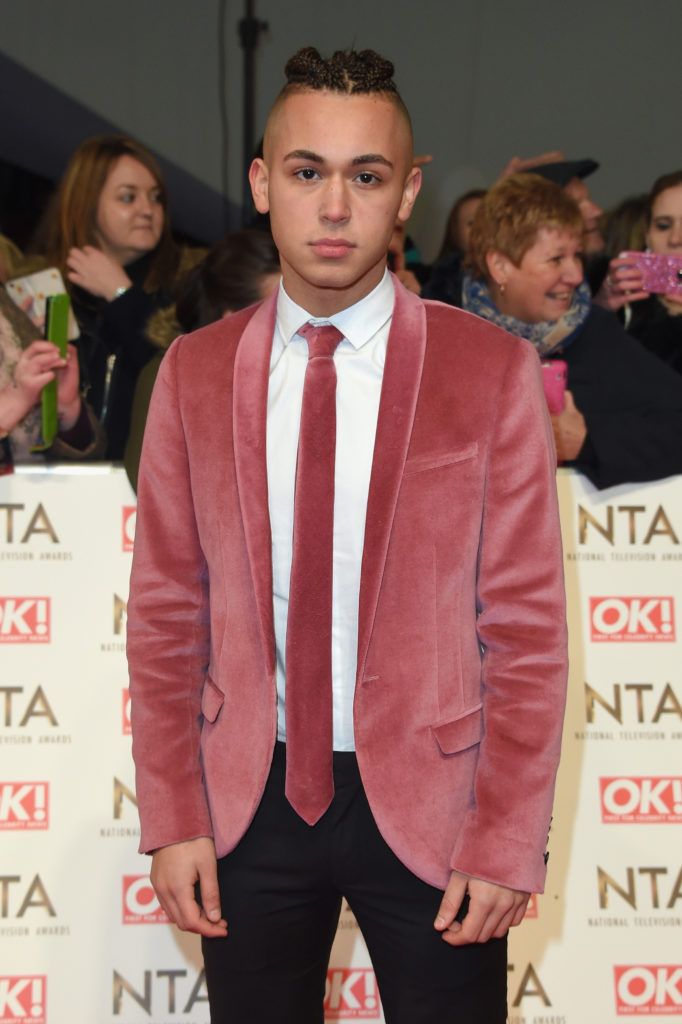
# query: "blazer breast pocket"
[441,460]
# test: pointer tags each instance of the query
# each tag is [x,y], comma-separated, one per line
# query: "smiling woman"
[110,236]
[622,414]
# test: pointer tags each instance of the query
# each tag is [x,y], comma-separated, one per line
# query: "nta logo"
[351,994]
[140,904]
[24,620]
[632,619]
[624,524]
[19,527]
[24,805]
[648,989]
[23,999]
[641,800]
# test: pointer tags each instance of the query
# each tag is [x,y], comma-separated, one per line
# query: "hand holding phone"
[554,376]
[661,273]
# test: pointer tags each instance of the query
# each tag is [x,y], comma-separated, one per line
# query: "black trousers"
[281,890]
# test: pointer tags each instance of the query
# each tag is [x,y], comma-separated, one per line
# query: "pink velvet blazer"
[462,648]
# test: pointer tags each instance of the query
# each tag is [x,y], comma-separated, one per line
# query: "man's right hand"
[175,871]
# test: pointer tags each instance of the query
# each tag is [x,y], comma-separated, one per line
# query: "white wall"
[484,79]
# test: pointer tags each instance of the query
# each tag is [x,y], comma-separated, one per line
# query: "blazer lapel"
[251,374]
[399,392]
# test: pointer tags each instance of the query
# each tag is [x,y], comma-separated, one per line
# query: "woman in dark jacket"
[110,236]
[622,415]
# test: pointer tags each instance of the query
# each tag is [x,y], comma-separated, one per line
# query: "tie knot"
[322,339]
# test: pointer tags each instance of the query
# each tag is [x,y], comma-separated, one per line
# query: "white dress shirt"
[359,361]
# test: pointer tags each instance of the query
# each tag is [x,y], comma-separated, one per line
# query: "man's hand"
[493,910]
[570,430]
[175,870]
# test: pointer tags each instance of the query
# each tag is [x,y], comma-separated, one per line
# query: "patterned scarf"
[546,336]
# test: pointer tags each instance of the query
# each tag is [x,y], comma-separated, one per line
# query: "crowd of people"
[534,254]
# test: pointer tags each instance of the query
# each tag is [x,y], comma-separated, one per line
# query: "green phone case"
[56,331]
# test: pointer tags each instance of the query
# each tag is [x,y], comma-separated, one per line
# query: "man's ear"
[498,266]
[413,183]
[258,180]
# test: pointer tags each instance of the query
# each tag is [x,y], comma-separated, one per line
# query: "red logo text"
[647,989]
[125,713]
[351,994]
[129,515]
[24,805]
[638,800]
[23,999]
[140,905]
[632,619]
[24,620]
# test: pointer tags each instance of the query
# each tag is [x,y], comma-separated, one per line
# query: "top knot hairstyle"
[348,71]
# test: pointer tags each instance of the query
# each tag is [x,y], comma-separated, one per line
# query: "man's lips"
[332,248]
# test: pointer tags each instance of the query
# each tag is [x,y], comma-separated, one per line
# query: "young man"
[347,554]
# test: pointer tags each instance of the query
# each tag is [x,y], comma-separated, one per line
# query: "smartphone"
[56,330]
[661,273]
[554,374]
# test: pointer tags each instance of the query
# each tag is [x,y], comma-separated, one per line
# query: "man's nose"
[335,206]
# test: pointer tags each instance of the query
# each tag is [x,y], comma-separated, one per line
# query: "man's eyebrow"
[372,158]
[315,158]
[305,154]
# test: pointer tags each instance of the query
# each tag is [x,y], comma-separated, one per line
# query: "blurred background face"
[465,215]
[541,288]
[665,231]
[130,211]
[578,190]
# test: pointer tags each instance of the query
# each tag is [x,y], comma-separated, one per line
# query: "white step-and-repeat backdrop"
[82,937]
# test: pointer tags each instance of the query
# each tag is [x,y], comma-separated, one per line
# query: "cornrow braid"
[347,71]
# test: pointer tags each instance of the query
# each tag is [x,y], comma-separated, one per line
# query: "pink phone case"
[554,372]
[661,273]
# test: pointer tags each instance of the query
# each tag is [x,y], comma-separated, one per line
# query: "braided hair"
[348,71]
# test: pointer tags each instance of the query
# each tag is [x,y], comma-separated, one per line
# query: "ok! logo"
[632,619]
[649,990]
[23,999]
[641,800]
[140,903]
[24,805]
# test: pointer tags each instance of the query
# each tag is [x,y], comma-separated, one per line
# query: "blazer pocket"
[461,732]
[211,700]
[422,463]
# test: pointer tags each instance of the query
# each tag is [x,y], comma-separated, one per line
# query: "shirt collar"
[358,323]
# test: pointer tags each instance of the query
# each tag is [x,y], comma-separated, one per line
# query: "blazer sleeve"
[168,628]
[522,631]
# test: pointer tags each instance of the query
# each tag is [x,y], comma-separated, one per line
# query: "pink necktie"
[309,783]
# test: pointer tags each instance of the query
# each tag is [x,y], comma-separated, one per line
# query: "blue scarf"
[547,336]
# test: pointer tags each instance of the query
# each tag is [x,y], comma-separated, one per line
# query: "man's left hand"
[493,910]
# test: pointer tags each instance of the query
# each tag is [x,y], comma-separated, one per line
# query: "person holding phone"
[27,364]
[654,318]
[621,419]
